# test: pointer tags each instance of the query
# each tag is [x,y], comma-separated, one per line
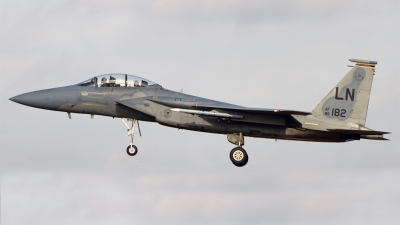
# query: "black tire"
[132,152]
[239,157]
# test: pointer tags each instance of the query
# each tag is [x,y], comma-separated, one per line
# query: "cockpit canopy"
[117,80]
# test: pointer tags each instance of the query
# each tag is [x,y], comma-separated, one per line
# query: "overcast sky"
[271,54]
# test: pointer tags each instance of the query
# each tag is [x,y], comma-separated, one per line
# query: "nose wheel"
[132,149]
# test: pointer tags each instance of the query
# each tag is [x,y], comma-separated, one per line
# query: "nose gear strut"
[131,149]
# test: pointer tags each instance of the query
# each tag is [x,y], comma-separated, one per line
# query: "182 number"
[338,112]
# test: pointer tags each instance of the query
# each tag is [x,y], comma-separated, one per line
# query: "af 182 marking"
[348,94]
[335,112]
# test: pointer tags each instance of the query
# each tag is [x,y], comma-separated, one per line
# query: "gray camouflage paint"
[153,103]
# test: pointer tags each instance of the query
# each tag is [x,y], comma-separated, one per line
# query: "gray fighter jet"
[339,117]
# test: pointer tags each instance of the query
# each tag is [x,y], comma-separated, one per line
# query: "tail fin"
[348,100]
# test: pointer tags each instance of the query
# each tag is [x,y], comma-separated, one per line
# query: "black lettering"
[336,95]
[350,95]
[342,113]
[337,112]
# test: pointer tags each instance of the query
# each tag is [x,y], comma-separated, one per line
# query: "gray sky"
[272,54]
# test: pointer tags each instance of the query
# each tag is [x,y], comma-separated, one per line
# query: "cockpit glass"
[89,82]
[117,80]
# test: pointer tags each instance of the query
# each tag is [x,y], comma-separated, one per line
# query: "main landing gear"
[238,155]
[132,149]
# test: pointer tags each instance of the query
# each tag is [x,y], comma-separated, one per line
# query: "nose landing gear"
[132,149]
[238,155]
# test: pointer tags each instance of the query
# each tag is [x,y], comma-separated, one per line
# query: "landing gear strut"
[238,155]
[132,149]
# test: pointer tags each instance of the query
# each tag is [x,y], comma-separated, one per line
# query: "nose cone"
[39,99]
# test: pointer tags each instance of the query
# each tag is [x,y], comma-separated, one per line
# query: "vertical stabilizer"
[348,100]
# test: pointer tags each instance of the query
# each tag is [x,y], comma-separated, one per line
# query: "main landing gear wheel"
[239,157]
[131,150]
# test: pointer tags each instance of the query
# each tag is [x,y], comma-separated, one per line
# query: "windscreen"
[117,80]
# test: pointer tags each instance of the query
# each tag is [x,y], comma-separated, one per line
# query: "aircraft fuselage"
[104,101]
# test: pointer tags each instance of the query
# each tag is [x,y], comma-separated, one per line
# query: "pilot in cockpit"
[112,82]
[104,82]
[136,83]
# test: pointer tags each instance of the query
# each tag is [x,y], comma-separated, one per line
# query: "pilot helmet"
[112,80]
[136,83]
[103,80]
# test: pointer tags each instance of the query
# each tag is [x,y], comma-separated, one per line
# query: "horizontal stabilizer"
[361,132]
[374,137]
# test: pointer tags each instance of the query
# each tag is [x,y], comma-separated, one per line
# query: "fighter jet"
[339,117]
